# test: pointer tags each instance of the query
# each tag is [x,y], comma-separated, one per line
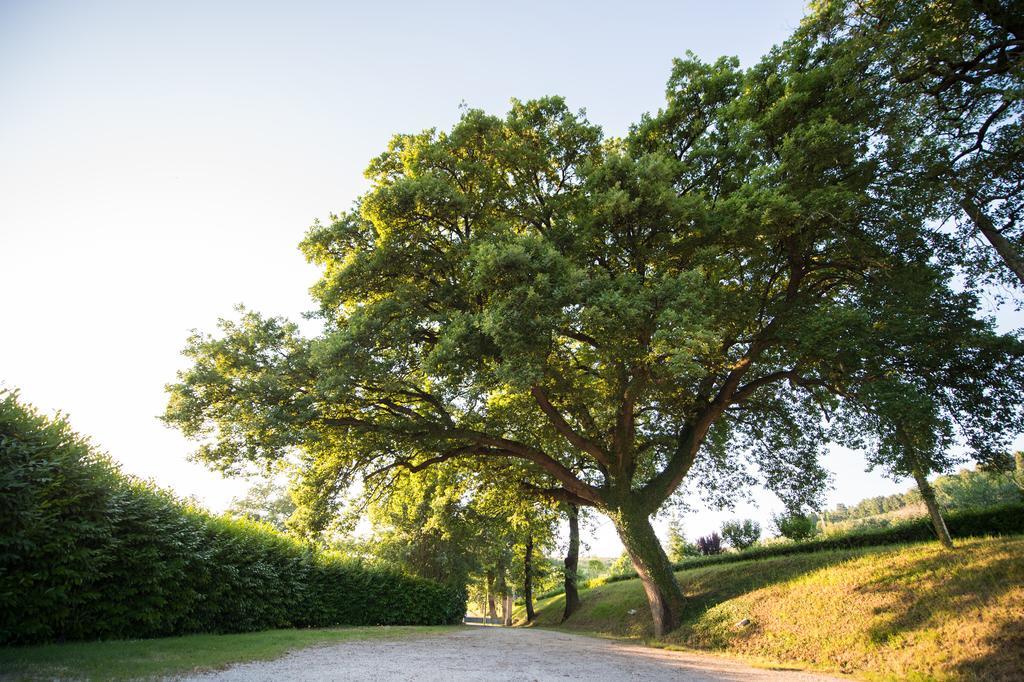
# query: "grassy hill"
[910,612]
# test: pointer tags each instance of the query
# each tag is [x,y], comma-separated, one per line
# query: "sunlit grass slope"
[905,612]
[173,656]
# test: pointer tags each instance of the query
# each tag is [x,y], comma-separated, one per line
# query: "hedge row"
[87,552]
[1002,520]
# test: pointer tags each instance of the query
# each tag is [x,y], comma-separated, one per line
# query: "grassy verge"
[906,612]
[125,659]
[1006,519]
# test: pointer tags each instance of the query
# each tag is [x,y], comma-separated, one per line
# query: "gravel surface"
[493,653]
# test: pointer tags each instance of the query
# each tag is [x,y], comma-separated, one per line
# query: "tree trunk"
[508,609]
[1003,246]
[928,495]
[501,586]
[572,563]
[528,579]
[491,613]
[653,567]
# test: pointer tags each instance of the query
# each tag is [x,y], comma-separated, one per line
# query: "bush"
[709,545]
[741,534]
[87,552]
[795,526]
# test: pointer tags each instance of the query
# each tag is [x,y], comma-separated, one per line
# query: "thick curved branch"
[746,390]
[411,467]
[555,494]
[499,446]
[661,486]
[625,424]
[581,337]
[1003,246]
[565,429]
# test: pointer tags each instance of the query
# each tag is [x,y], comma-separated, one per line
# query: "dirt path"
[494,653]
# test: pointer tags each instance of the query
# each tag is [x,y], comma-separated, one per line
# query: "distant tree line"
[966,489]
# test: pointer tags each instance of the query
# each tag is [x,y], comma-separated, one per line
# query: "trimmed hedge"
[1003,520]
[87,552]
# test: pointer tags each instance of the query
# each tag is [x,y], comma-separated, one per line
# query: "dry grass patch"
[910,612]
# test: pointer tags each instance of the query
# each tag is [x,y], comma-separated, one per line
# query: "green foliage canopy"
[934,90]
[946,79]
[608,317]
[516,281]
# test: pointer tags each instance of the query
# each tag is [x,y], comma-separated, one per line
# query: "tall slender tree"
[528,572]
[930,405]
[572,562]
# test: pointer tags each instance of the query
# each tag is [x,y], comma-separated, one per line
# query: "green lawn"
[121,659]
[897,612]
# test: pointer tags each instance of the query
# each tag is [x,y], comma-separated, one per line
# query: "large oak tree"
[609,316]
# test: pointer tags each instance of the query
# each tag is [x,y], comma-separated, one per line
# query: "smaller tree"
[741,534]
[622,565]
[678,546]
[710,544]
[1018,471]
[597,567]
[266,501]
[572,562]
[795,525]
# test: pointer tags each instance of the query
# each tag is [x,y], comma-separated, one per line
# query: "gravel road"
[493,653]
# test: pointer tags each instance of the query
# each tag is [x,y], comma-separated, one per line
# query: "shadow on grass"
[620,609]
[705,589]
[1004,659]
[890,611]
[970,586]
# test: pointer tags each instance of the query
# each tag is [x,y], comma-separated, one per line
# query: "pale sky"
[160,161]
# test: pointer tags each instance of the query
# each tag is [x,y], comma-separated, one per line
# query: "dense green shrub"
[795,526]
[741,534]
[87,552]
